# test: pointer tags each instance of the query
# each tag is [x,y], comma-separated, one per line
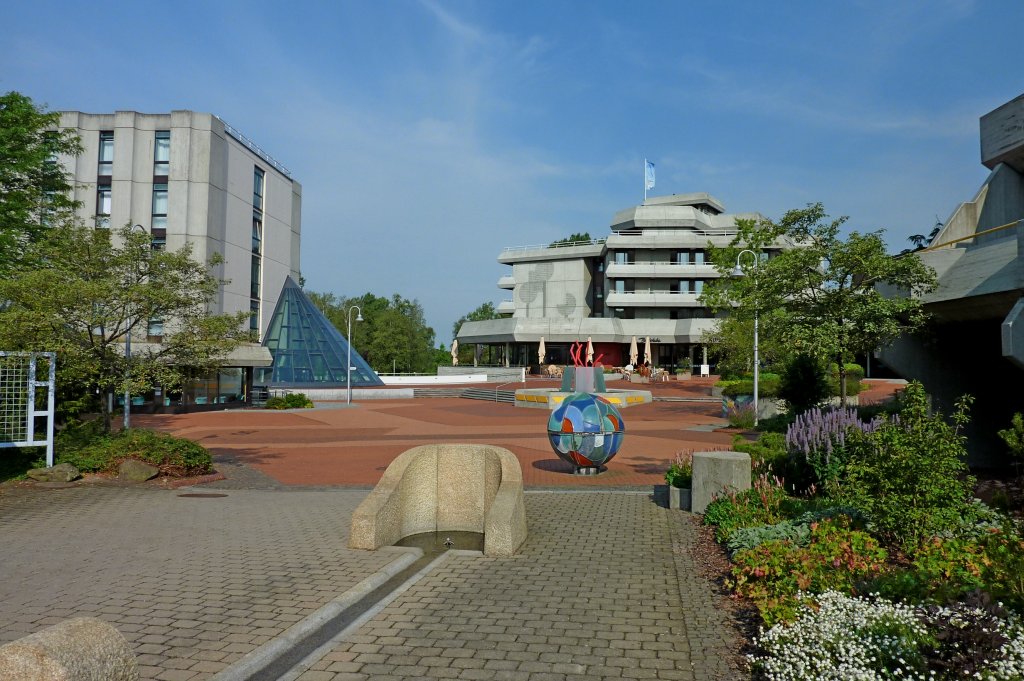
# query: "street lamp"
[738,272]
[359,318]
[128,360]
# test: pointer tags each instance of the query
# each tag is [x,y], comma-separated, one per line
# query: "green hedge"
[767,386]
[290,401]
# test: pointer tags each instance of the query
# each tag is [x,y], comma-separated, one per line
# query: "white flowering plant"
[847,638]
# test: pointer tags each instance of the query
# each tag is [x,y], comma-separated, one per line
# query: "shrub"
[803,384]
[910,475]
[762,504]
[797,531]
[767,386]
[290,401]
[818,437]
[1014,439]
[172,455]
[741,416]
[680,472]
[854,374]
[836,557]
[842,637]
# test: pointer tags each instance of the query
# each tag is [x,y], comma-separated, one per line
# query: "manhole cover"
[207,495]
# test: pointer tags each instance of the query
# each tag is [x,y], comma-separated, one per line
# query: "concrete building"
[643,280]
[975,344]
[188,177]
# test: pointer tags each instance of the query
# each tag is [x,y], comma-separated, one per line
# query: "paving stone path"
[605,586]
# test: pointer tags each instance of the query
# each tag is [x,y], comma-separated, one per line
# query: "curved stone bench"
[446,487]
[80,649]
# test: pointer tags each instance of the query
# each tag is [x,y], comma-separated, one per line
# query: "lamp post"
[128,361]
[738,272]
[348,372]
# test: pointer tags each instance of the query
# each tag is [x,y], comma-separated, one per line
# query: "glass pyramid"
[308,351]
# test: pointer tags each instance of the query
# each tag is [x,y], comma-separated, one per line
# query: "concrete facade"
[975,332]
[643,280]
[209,179]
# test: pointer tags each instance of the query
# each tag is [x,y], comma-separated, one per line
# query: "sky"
[430,134]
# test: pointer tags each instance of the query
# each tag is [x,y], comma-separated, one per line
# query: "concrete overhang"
[533,254]
[598,329]
[245,355]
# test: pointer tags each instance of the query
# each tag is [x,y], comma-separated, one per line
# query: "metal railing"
[568,244]
[254,148]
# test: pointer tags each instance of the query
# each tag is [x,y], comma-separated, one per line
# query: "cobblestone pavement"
[605,586]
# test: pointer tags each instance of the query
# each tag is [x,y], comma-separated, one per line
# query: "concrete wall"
[552,288]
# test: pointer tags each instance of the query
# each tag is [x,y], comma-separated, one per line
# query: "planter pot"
[679,498]
[684,375]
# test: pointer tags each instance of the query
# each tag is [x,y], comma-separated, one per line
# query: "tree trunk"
[106,407]
[842,383]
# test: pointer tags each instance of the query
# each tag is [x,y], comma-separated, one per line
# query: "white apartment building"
[189,177]
[643,280]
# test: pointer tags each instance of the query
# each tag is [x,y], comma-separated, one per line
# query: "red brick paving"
[353,446]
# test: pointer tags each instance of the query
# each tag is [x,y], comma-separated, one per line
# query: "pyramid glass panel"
[308,351]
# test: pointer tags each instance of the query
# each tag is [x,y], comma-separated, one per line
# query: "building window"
[160,206]
[257,234]
[620,285]
[254,315]
[254,281]
[159,239]
[103,206]
[258,178]
[698,257]
[162,154]
[682,257]
[698,286]
[623,258]
[106,162]
[155,330]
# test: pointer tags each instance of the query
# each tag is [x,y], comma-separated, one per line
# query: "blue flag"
[648,175]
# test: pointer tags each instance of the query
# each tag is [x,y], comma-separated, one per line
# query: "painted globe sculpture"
[586,430]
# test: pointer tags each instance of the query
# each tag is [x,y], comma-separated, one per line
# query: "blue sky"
[428,135]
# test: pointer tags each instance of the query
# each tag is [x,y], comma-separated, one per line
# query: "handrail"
[661,262]
[972,236]
[656,231]
[569,244]
[254,148]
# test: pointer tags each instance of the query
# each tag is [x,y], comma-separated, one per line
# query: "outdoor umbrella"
[633,354]
[540,351]
[590,351]
[647,350]
[455,352]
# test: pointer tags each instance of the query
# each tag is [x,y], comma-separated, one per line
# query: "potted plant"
[679,477]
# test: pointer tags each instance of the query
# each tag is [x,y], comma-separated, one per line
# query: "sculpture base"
[586,470]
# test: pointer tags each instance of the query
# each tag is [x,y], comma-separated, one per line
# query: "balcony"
[507,282]
[654,270]
[506,307]
[648,298]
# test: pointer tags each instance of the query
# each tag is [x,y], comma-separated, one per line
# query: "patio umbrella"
[540,351]
[590,351]
[633,354]
[455,352]
[647,350]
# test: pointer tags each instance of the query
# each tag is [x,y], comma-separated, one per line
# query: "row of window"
[688,256]
[677,286]
[255,281]
[161,153]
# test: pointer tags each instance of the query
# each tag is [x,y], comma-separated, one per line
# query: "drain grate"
[202,495]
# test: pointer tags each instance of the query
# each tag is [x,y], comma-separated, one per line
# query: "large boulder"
[134,470]
[62,472]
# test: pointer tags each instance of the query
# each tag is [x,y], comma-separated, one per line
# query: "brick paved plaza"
[606,585]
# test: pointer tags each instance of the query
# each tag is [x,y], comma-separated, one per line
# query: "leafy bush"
[1014,439]
[90,451]
[290,401]
[910,475]
[762,504]
[741,416]
[836,557]
[797,530]
[767,386]
[680,472]
[854,375]
[804,384]
[818,437]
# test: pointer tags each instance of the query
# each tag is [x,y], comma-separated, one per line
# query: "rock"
[80,648]
[136,471]
[62,472]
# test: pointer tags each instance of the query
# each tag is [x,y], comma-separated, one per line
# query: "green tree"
[482,313]
[35,190]
[393,334]
[826,287]
[81,290]
[571,239]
